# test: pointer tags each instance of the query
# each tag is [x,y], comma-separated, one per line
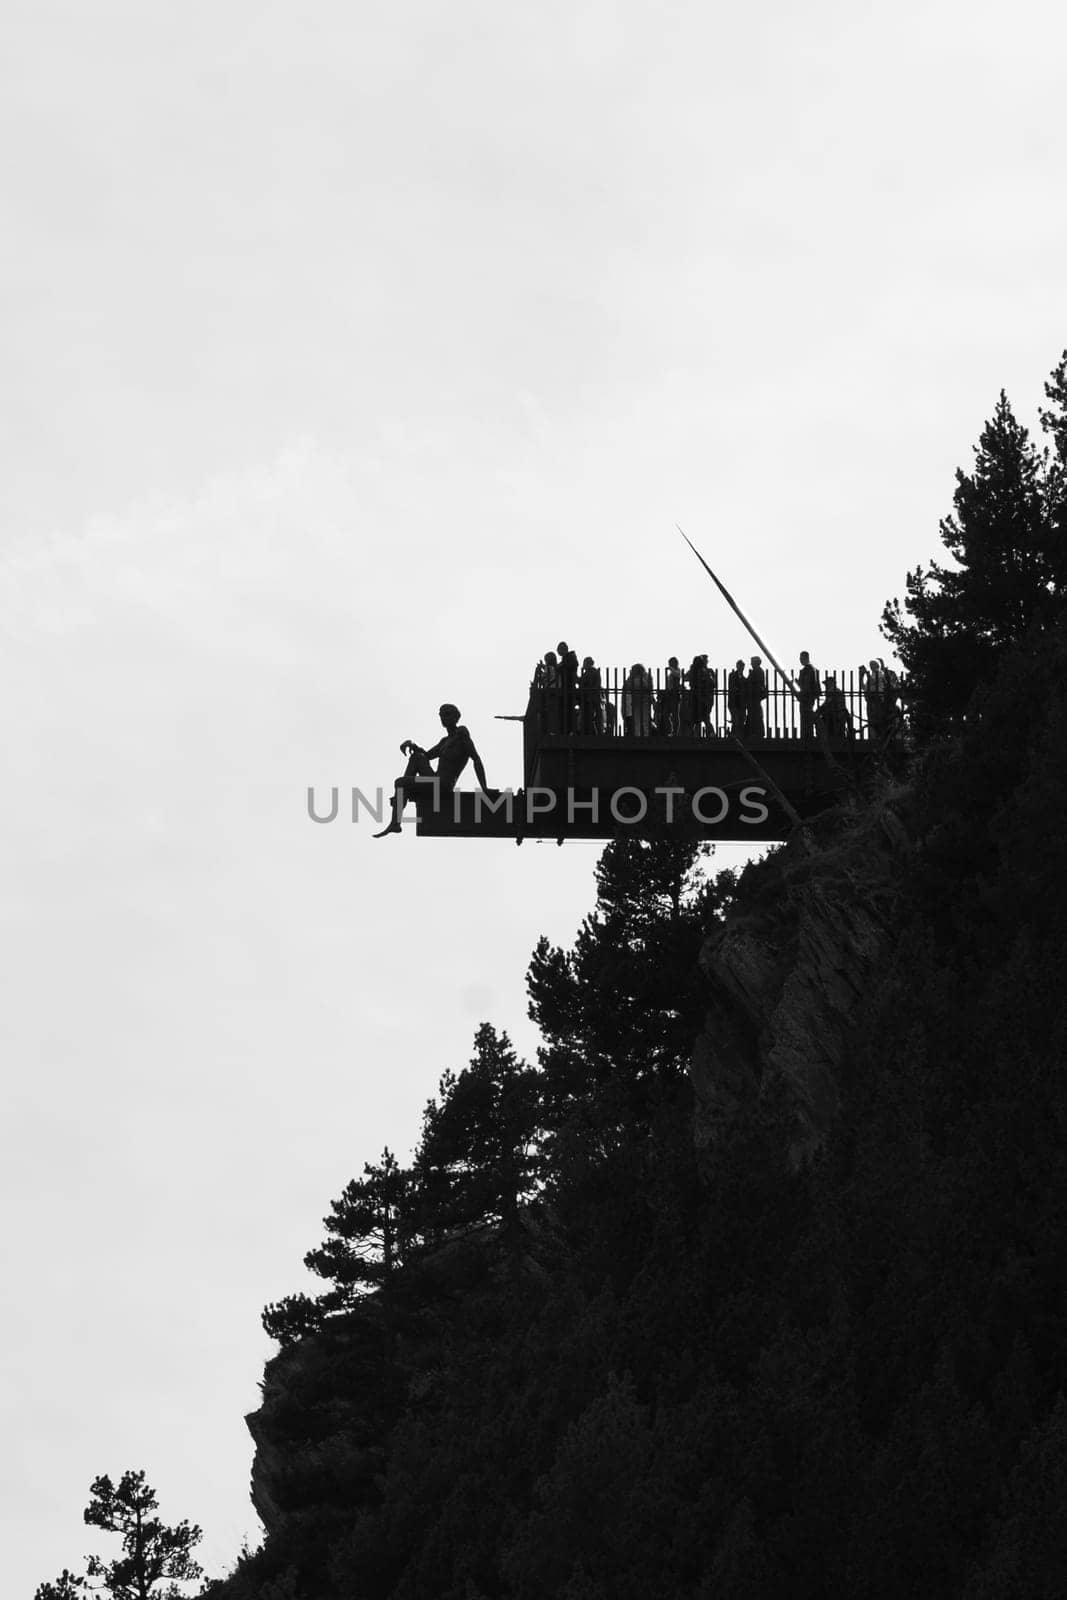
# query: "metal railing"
[663,702]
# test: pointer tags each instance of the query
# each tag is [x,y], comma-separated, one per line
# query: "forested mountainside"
[755,1284]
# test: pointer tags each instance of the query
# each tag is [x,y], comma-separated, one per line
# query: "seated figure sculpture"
[452,754]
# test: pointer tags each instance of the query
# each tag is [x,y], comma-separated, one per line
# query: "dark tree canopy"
[66,1587]
[1010,560]
[623,1006]
[367,1229]
[155,1557]
[368,1239]
[476,1163]
[478,1158]
[1054,424]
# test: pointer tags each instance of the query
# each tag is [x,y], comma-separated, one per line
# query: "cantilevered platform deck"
[653,763]
[589,788]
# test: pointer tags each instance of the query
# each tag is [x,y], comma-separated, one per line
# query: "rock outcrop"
[788,975]
[329,1402]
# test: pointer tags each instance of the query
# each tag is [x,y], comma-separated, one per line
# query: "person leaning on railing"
[833,718]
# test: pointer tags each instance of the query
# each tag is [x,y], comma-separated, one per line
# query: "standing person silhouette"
[737,699]
[546,682]
[756,686]
[591,719]
[872,682]
[568,685]
[637,702]
[452,753]
[669,709]
[704,686]
[894,716]
[808,696]
[691,698]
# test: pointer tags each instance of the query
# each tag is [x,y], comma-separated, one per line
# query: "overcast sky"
[351,357]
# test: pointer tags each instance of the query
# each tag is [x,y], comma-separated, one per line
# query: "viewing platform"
[650,754]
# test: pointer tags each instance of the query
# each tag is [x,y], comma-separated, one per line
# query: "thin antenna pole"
[732,603]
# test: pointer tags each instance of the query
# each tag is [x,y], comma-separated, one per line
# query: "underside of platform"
[595,787]
[746,813]
[579,761]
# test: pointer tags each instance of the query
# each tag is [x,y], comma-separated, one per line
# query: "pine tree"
[369,1240]
[626,1003]
[1054,424]
[367,1231]
[294,1317]
[66,1587]
[478,1158]
[1008,564]
[155,1558]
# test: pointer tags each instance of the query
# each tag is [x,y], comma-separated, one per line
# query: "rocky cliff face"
[788,975]
[331,1400]
[328,1405]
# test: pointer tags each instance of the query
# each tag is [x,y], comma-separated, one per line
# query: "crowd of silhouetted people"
[573,698]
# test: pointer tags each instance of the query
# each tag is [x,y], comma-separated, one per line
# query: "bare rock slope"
[787,976]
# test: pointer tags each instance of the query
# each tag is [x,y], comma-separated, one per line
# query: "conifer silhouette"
[1009,563]
[155,1557]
